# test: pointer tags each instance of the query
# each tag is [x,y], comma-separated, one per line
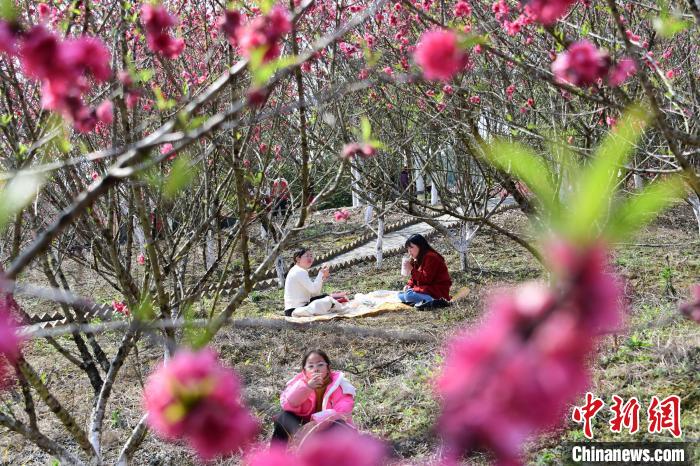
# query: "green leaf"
[180,176]
[640,209]
[528,167]
[145,75]
[469,41]
[266,6]
[16,194]
[668,26]
[5,120]
[144,311]
[262,72]
[596,184]
[8,10]
[161,102]
[64,145]
[366,128]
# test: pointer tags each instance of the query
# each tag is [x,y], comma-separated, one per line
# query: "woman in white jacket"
[302,296]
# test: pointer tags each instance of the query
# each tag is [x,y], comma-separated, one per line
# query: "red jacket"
[431,277]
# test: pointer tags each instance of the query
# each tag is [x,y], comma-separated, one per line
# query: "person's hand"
[326,272]
[315,382]
[405,288]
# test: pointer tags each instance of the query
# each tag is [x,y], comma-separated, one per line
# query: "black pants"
[288,312]
[288,423]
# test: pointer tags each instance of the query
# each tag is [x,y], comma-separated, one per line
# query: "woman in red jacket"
[429,286]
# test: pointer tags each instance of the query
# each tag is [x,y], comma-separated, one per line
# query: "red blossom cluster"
[9,34]
[364,150]
[196,399]
[548,11]
[585,65]
[121,308]
[462,9]
[9,340]
[264,31]
[157,23]
[514,376]
[341,215]
[338,447]
[439,56]
[65,69]
[691,309]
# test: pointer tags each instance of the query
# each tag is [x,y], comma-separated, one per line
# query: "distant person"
[403,179]
[302,296]
[316,394]
[429,285]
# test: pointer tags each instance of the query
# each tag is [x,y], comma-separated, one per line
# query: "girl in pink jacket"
[315,394]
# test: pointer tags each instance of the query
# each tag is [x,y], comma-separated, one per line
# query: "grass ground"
[658,355]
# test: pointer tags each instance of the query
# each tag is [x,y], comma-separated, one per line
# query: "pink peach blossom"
[104,112]
[514,376]
[500,9]
[623,70]
[276,455]
[439,56]
[196,399]
[341,215]
[691,309]
[548,11]
[264,31]
[229,24]
[8,37]
[9,340]
[343,448]
[157,22]
[353,149]
[462,9]
[581,65]
[121,307]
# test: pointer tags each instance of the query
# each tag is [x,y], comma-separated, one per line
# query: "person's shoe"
[424,305]
[439,303]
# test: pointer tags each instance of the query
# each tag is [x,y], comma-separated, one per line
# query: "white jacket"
[299,289]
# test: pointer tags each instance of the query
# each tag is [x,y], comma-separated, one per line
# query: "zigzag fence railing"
[106,311]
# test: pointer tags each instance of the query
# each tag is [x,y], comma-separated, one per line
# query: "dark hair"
[315,351]
[423,246]
[297,255]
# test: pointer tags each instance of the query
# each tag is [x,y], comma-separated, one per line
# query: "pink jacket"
[298,398]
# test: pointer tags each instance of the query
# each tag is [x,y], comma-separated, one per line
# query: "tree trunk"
[281,271]
[420,183]
[210,253]
[355,187]
[694,200]
[369,213]
[380,241]
[434,195]
[467,233]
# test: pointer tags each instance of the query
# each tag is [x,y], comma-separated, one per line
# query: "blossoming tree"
[137,134]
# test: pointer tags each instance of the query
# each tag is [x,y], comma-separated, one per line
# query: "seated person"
[302,297]
[316,394]
[429,285]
